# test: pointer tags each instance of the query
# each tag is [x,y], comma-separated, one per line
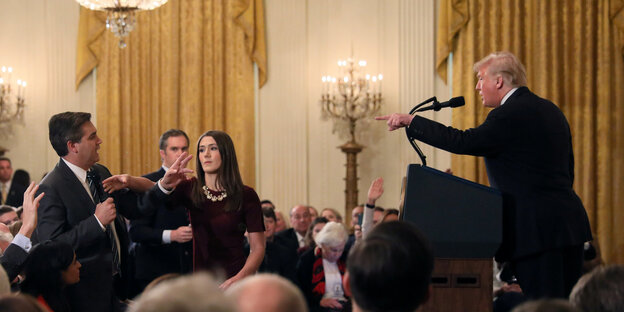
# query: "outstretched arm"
[122,181]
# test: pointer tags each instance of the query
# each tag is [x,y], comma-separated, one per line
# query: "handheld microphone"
[436,106]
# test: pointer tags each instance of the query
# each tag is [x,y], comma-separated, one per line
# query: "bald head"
[300,219]
[267,293]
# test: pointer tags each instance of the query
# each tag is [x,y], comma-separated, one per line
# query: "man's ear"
[346,284]
[71,147]
[162,155]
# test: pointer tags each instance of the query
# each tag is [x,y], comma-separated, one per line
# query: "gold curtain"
[573,53]
[188,65]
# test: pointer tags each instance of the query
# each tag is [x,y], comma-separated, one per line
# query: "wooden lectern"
[463,222]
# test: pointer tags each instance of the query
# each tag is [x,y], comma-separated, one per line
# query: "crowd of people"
[177,240]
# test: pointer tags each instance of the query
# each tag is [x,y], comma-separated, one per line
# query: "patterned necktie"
[5,193]
[97,191]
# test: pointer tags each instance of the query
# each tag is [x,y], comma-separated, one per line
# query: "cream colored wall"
[298,158]
[39,42]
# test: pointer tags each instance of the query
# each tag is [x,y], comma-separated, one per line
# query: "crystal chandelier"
[121,17]
[11,101]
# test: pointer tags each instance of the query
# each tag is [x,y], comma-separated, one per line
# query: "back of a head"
[267,293]
[44,266]
[545,305]
[192,293]
[601,290]
[390,270]
[505,64]
[19,303]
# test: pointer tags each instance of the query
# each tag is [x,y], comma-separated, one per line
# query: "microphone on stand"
[436,106]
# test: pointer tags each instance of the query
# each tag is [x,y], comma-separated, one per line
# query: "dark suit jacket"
[66,213]
[12,260]
[527,147]
[15,197]
[288,239]
[153,258]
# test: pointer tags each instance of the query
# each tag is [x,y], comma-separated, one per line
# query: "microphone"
[436,106]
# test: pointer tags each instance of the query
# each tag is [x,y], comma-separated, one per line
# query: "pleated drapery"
[188,65]
[573,53]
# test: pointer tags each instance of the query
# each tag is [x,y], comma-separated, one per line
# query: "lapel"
[74,186]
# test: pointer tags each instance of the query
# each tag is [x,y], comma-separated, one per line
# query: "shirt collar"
[80,173]
[508,95]
[165,168]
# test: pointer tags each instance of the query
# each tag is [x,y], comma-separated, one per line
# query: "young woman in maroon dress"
[220,207]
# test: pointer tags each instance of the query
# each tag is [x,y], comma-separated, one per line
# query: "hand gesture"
[177,172]
[375,191]
[29,213]
[182,234]
[105,211]
[330,303]
[116,182]
[229,282]
[396,121]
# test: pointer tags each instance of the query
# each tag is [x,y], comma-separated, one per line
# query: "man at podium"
[527,146]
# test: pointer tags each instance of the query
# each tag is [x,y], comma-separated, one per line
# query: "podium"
[463,222]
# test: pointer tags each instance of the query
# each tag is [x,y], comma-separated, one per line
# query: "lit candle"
[19,88]
[23,89]
[380,78]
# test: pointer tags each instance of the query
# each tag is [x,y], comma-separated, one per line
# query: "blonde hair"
[333,234]
[506,65]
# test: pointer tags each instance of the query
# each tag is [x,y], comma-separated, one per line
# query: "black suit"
[66,213]
[288,239]
[527,147]
[15,197]
[153,257]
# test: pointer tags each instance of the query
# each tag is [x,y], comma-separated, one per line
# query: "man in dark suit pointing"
[76,210]
[527,146]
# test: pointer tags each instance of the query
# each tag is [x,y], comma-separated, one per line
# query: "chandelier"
[121,18]
[351,96]
[11,101]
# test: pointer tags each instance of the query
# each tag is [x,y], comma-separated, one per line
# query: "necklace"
[214,198]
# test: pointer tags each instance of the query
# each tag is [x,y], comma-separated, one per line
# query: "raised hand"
[396,121]
[29,213]
[177,172]
[375,191]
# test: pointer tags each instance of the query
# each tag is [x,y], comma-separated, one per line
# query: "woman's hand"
[229,282]
[177,172]
[29,212]
[116,183]
[375,191]
[330,303]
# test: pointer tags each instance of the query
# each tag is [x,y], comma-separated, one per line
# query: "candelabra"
[350,97]
[121,18]
[11,102]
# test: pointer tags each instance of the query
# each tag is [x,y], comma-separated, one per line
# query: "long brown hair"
[228,175]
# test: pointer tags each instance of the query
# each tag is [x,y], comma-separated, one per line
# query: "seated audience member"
[267,293]
[378,215]
[331,214]
[320,270]
[190,293]
[50,267]
[545,305]
[315,227]
[390,214]
[293,238]
[20,303]
[267,203]
[5,237]
[356,212]
[277,258]
[8,215]
[601,290]
[14,256]
[313,212]
[280,223]
[12,190]
[21,177]
[390,269]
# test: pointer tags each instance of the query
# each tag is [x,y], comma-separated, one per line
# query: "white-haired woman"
[320,270]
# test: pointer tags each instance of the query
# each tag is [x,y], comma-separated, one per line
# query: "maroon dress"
[218,236]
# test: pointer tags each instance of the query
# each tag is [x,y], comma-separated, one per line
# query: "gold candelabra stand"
[350,97]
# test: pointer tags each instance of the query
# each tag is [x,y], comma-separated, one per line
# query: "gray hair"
[333,234]
[601,290]
[545,305]
[506,65]
[192,293]
[267,292]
